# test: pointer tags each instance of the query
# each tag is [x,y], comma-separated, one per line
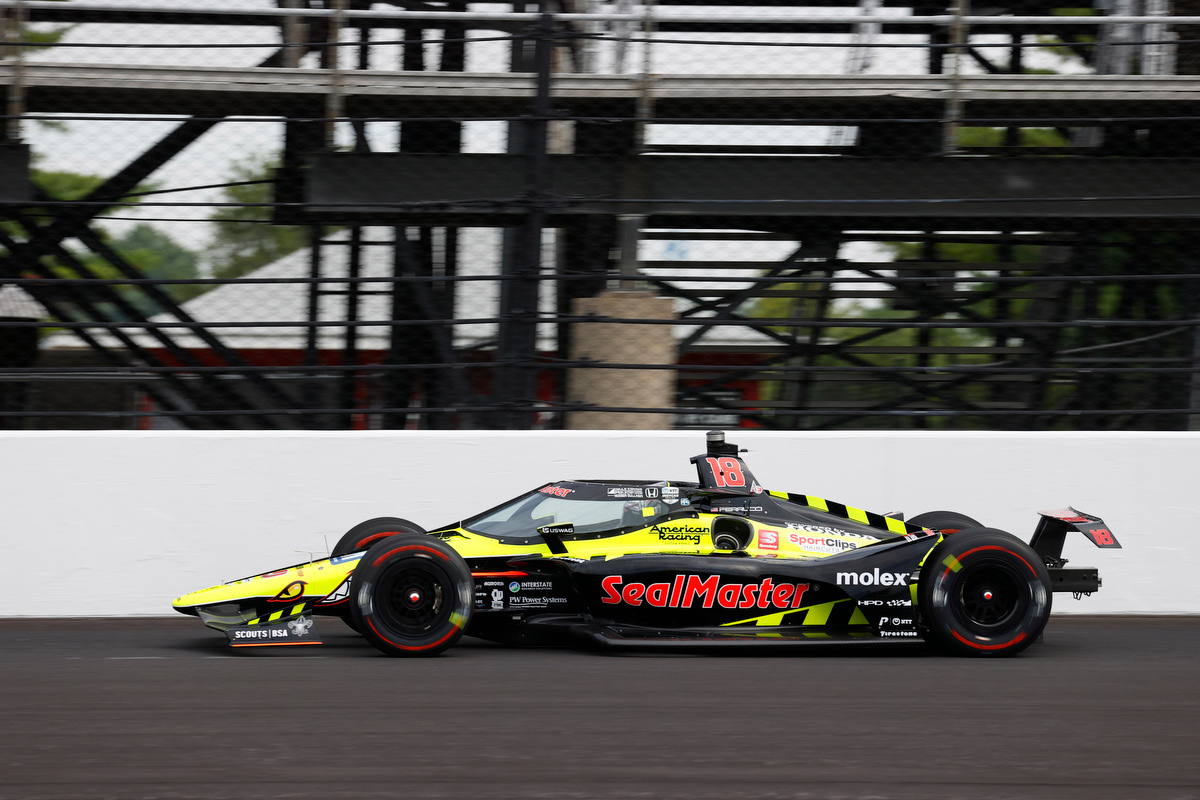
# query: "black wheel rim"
[413,596]
[989,598]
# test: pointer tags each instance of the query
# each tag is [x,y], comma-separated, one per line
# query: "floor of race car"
[1105,707]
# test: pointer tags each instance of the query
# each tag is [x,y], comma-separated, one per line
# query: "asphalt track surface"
[161,708]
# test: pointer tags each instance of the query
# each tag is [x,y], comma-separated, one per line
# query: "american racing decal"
[679,532]
[626,492]
[694,591]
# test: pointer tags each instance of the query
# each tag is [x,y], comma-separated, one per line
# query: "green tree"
[153,252]
[159,256]
[244,238]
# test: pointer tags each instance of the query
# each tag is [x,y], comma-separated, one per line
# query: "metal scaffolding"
[1076,309]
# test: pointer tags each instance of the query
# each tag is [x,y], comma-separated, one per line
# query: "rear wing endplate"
[1054,526]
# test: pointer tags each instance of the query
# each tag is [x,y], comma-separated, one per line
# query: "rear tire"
[411,595]
[945,521]
[984,593]
[365,534]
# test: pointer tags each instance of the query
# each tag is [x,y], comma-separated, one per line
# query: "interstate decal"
[694,591]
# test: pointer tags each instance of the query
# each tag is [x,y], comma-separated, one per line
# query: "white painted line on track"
[135,658]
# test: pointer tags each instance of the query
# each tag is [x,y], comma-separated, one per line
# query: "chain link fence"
[355,214]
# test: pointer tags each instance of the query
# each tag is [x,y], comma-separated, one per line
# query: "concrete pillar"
[624,343]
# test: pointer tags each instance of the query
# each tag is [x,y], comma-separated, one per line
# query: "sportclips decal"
[694,591]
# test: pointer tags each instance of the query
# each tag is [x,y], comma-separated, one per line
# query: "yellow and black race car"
[717,562]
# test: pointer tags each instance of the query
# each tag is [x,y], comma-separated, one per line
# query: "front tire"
[365,534]
[411,595]
[984,593]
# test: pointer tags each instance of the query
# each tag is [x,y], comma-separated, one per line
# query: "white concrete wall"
[120,523]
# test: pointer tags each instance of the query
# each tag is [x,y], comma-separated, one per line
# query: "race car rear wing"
[1048,541]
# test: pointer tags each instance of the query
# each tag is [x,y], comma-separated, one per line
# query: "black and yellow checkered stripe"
[834,614]
[879,521]
[283,613]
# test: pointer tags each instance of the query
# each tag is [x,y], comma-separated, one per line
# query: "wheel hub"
[989,599]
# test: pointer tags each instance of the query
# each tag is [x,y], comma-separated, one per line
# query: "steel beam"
[91,88]
[480,187]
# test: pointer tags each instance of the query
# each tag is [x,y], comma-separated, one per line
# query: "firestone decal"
[694,591]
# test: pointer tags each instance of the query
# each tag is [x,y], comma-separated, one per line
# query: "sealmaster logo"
[875,578]
[694,591]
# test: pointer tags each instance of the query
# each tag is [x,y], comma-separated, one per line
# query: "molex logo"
[875,578]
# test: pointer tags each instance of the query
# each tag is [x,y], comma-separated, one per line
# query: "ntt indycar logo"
[694,591]
[875,578]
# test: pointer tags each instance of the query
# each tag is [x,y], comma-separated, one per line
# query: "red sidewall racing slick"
[411,595]
[365,534]
[984,592]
